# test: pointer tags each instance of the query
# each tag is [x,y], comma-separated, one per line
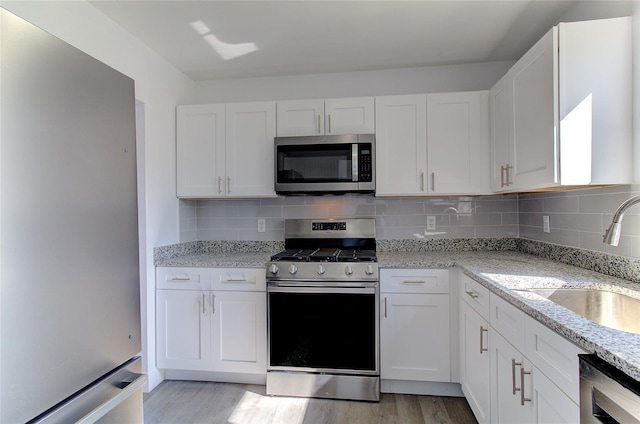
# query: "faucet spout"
[612,235]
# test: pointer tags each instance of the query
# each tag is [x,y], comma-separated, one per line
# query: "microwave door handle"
[354,162]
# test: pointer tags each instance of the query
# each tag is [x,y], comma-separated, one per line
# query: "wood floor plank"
[194,402]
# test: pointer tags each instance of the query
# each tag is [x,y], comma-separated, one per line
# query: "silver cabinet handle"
[433,181]
[185,278]
[523,399]
[204,303]
[422,181]
[508,168]
[228,184]
[502,169]
[514,364]
[482,331]
[318,123]
[472,294]
[414,282]
[219,188]
[385,307]
[213,303]
[329,123]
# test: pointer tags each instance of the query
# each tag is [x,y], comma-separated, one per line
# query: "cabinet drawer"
[183,278]
[555,356]
[414,281]
[507,320]
[239,279]
[475,295]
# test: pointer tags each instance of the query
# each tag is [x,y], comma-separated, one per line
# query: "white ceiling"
[307,37]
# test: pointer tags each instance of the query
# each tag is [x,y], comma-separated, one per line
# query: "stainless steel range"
[323,306]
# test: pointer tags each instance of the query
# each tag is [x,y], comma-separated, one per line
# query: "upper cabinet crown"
[353,115]
[562,115]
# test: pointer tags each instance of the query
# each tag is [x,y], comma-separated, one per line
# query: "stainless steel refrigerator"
[70,291]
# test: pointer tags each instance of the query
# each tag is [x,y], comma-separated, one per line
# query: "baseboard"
[421,388]
[221,377]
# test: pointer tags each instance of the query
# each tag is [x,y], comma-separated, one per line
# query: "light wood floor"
[190,402]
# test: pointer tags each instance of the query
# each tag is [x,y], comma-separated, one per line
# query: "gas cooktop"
[326,255]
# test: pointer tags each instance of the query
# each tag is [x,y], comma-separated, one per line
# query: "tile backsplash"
[578,218]
[396,218]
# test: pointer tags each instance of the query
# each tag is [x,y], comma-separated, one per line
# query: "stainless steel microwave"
[333,164]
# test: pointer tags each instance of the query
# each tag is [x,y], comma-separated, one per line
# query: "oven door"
[323,329]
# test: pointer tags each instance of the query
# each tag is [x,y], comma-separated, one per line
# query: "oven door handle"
[321,290]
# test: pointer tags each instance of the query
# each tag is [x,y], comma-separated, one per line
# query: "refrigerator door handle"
[98,399]
[128,388]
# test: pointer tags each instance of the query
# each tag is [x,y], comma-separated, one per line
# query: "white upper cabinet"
[250,130]
[458,142]
[226,150]
[401,145]
[200,149]
[432,144]
[562,116]
[326,117]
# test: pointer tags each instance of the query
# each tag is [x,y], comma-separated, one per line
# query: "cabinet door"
[549,405]
[414,337]
[200,150]
[474,362]
[183,327]
[501,128]
[457,142]
[349,116]
[401,145]
[506,362]
[239,332]
[250,129]
[535,111]
[300,117]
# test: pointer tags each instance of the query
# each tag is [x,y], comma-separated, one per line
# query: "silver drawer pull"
[180,278]
[414,282]
[471,293]
[235,280]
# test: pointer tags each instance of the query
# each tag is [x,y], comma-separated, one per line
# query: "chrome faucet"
[612,235]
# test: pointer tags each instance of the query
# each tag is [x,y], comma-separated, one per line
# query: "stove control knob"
[293,269]
[348,270]
[369,270]
[273,269]
[321,269]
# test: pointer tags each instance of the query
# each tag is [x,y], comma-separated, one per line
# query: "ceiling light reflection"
[226,51]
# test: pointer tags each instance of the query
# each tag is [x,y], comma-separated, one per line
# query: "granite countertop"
[503,273]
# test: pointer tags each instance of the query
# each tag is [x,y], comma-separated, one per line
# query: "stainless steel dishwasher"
[607,395]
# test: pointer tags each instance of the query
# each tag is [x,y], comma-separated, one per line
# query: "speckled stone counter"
[501,270]
[219,260]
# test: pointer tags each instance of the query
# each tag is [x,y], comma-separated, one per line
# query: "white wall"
[433,79]
[159,86]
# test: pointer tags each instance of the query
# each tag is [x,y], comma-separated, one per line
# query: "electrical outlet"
[431,223]
[262,225]
[545,224]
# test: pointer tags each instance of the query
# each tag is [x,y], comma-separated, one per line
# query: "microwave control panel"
[365,169]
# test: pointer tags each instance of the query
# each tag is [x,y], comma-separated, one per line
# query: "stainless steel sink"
[613,310]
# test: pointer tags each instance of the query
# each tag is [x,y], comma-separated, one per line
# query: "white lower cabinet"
[474,361]
[183,327]
[414,325]
[221,327]
[520,391]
